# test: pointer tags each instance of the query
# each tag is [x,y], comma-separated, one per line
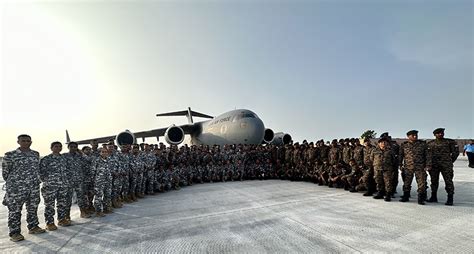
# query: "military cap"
[439,130]
[384,135]
[412,132]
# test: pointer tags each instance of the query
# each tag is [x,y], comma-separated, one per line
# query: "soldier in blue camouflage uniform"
[101,169]
[413,160]
[75,166]
[55,178]
[126,168]
[136,173]
[116,171]
[150,160]
[442,153]
[88,177]
[20,170]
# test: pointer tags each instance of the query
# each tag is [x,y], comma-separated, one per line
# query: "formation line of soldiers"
[103,179]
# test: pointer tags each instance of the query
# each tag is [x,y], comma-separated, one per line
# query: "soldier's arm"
[6,166]
[42,169]
[401,155]
[454,150]
[429,157]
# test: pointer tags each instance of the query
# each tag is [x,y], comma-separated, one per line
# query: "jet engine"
[268,137]
[174,135]
[125,138]
[281,138]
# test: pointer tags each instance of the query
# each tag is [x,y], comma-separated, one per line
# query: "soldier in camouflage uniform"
[136,172]
[126,169]
[75,166]
[102,171]
[383,159]
[115,170]
[88,177]
[55,178]
[351,180]
[413,160]
[442,153]
[368,173]
[20,170]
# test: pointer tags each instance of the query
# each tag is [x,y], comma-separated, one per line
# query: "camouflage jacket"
[358,154]
[53,171]
[20,170]
[413,155]
[442,152]
[75,167]
[102,169]
[368,150]
[383,159]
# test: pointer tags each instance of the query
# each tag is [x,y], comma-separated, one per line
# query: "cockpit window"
[244,115]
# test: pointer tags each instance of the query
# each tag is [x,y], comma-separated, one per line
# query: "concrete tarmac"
[270,216]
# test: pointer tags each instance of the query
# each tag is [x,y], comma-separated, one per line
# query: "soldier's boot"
[388,197]
[17,237]
[353,189]
[450,200]
[421,198]
[64,222]
[114,203]
[368,194]
[434,198]
[405,197]
[126,199]
[51,227]
[90,210]
[99,214]
[379,195]
[133,197]
[36,230]
[84,214]
[107,210]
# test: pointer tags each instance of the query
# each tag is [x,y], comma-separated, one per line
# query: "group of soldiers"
[105,178]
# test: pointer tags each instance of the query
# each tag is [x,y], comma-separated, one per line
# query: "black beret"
[382,140]
[439,130]
[412,132]
[383,135]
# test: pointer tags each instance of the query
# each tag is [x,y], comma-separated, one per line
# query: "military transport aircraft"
[240,126]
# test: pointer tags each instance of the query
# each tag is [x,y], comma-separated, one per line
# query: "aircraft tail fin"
[68,139]
[188,113]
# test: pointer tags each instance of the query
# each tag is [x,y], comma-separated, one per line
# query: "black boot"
[421,198]
[405,197]
[434,198]
[450,200]
[388,197]
[379,195]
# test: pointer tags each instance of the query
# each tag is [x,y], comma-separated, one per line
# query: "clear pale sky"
[314,69]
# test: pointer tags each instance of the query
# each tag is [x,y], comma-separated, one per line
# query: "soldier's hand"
[428,168]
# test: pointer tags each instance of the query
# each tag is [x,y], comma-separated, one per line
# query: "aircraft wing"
[187,128]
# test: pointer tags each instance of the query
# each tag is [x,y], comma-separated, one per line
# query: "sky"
[314,69]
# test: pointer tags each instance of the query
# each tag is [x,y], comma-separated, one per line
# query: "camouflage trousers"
[139,187]
[102,195]
[54,196]
[133,182]
[15,201]
[383,179]
[116,186]
[150,180]
[420,175]
[81,198]
[368,179]
[88,193]
[394,179]
[125,185]
[448,174]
